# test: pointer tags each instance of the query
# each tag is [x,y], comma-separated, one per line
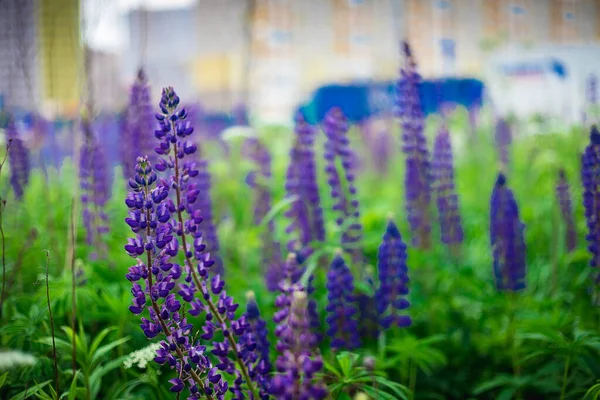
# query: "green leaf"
[107,348]
[30,391]
[3,379]
[276,209]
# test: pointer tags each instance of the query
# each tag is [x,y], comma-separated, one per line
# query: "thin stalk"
[2,207]
[213,309]
[51,325]
[73,288]
[563,390]
[512,328]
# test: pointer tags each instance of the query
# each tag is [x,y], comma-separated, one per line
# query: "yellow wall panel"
[60,52]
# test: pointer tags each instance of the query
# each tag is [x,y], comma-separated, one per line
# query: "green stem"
[412,379]
[512,338]
[565,376]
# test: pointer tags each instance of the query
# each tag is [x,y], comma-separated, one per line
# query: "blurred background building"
[269,54]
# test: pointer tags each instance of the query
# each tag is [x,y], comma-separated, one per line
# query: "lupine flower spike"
[507,238]
[305,213]
[417,180]
[95,184]
[341,309]
[393,279]
[443,186]
[18,160]
[342,182]
[563,195]
[137,125]
[590,178]
[297,364]
[172,268]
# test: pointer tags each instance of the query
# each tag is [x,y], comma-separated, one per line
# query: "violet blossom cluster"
[305,212]
[417,179]
[138,124]
[342,181]
[298,361]
[173,272]
[18,160]
[205,206]
[393,279]
[95,184]
[445,191]
[590,178]
[256,341]
[507,238]
[563,195]
[341,307]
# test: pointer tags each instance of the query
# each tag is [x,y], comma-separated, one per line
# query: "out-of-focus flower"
[443,186]
[417,180]
[136,137]
[393,279]
[563,195]
[18,160]
[507,238]
[305,213]
[297,364]
[341,309]
[590,178]
[95,181]
[342,182]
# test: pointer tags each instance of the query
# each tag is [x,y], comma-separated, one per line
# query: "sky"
[106,25]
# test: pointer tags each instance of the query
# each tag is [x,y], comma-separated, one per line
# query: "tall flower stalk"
[507,238]
[417,180]
[393,279]
[95,185]
[563,195]
[341,308]
[443,186]
[305,214]
[298,361]
[137,125]
[341,175]
[590,178]
[166,223]
[18,160]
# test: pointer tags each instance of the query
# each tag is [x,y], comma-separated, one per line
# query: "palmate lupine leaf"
[347,372]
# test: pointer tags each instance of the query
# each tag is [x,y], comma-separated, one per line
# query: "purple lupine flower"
[305,212]
[205,206]
[563,195]
[382,151]
[95,183]
[341,181]
[298,363]
[590,178]
[443,186]
[257,335]
[240,115]
[417,180]
[393,279]
[18,159]
[166,222]
[138,124]
[503,138]
[507,238]
[341,317]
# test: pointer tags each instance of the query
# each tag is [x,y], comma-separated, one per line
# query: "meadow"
[347,315]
